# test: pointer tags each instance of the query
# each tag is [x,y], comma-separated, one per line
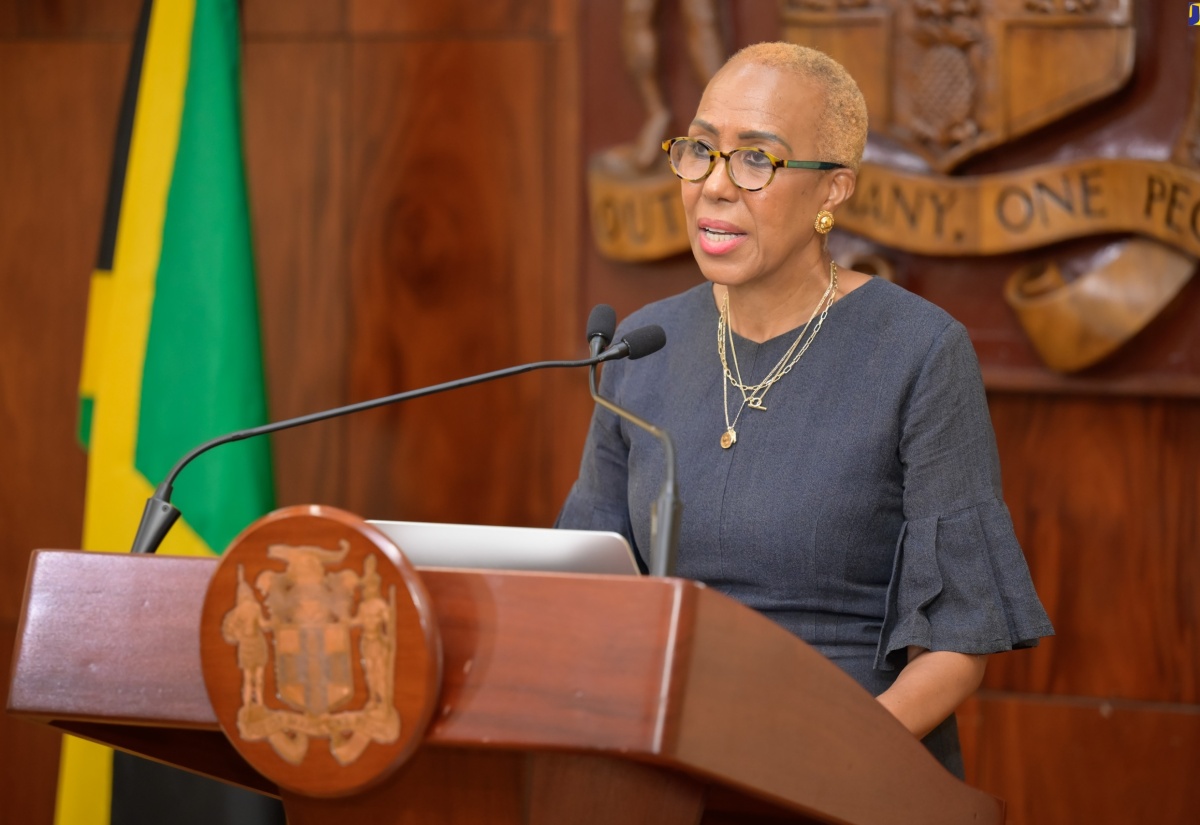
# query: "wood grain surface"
[653,670]
[72,18]
[454,17]
[292,19]
[54,166]
[1104,499]
[448,275]
[295,113]
[1084,760]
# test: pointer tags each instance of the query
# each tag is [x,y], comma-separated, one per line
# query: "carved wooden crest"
[309,613]
[952,78]
[320,656]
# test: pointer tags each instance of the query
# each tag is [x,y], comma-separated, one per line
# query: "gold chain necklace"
[753,394]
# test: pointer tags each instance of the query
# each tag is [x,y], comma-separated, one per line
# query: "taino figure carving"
[311,613]
[374,617]
[243,626]
[639,42]
[633,195]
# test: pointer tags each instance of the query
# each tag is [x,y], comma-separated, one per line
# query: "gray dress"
[861,510]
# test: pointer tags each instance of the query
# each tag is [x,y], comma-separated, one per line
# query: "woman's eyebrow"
[750,134]
[755,134]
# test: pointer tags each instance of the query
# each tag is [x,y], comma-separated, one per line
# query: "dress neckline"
[785,337]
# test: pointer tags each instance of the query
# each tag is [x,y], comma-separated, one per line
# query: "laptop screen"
[428,544]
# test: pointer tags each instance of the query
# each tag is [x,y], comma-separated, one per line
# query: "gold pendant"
[728,438]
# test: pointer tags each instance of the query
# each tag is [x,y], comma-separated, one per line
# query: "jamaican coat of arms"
[320,629]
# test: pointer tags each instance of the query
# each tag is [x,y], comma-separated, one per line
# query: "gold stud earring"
[824,222]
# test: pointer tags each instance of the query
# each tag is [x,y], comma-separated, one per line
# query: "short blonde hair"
[842,126]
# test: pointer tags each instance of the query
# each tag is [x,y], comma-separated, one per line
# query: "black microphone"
[664,517]
[601,325]
[159,514]
[637,344]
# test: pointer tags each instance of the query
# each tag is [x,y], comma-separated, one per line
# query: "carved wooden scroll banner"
[320,652]
[1074,324]
[996,214]
[633,196]
[947,79]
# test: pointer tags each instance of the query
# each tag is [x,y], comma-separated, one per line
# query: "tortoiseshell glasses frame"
[756,167]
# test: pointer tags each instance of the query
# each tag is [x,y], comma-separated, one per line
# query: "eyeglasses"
[749,168]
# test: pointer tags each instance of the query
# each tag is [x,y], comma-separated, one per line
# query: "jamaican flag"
[172,351]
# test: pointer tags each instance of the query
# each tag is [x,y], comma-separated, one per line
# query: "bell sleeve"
[959,579]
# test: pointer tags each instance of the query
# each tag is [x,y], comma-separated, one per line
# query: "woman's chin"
[722,272]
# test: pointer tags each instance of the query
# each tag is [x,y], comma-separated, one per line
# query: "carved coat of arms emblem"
[321,628]
[951,78]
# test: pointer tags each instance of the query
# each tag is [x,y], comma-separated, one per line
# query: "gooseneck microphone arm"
[664,518]
[159,514]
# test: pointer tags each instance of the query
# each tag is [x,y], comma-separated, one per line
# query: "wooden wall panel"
[567,406]
[10,20]
[448,261]
[295,115]
[75,18]
[1063,762]
[448,16]
[1104,498]
[28,757]
[55,171]
[275,18]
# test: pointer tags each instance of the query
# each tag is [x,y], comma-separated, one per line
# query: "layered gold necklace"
[753,394]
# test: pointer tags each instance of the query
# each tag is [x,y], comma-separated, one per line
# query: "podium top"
[664,671]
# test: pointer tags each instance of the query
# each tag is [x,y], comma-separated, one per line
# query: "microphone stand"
[159,514]
[664,517]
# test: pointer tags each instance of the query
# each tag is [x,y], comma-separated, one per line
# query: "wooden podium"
[563,699]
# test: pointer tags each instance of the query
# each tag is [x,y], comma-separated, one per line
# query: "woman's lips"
[718,237]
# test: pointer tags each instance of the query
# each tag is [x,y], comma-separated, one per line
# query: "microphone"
[601,324]
[159,514]
[641,342]
[664,516]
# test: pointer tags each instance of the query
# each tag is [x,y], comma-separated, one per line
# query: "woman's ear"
[841,187]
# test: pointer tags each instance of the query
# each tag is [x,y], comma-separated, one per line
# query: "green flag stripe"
[87,406]
[203,369]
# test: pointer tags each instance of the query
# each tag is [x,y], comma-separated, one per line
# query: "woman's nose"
[719,184]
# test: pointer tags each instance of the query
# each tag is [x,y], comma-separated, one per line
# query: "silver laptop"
[429,544]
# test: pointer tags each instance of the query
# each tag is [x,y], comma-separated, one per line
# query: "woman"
[836,459]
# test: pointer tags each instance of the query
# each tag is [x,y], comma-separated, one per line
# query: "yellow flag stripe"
[84,783]
[118,326]
[114,499]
